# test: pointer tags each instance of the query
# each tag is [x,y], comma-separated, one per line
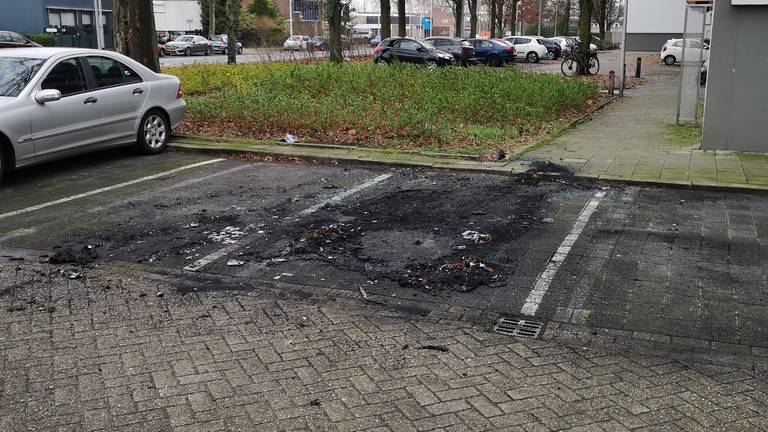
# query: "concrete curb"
[517,168]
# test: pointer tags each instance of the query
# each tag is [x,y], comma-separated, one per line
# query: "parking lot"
[120,271]
[682,265]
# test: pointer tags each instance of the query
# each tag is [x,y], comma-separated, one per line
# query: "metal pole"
[623,55]
[682,65]
[701,57]
[541,8]
[290,17]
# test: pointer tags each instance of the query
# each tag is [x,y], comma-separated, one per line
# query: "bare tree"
[457,8]
[472,18]
[135,31]
[386,19]
[401,18]
[604,13]
[513,16]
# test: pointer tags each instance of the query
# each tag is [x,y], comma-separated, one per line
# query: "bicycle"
[573,63]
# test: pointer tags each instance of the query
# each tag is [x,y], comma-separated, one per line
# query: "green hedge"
[43,39]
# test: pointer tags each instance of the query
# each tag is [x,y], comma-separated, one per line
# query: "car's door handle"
[138,91]
[90,100]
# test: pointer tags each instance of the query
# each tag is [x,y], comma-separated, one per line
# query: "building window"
[371,20]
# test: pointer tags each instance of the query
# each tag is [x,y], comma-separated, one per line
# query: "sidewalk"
[105,353]
[628,141]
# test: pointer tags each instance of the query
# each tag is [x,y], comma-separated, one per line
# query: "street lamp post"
[541,10]
[290,17]
[622,67]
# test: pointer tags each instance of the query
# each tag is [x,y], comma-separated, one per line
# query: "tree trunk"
[458,16]
[566,24]
[472,18]
[493,18]
[334,30]
[134,22]
[232,12]
[600,13]
[500,17]
[585,27]
[211,18]
[513,18]
[386,19]
[401,18]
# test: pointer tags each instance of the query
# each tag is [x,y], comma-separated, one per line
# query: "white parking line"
[345,194]
[106,189]
[546,277]
[204,261]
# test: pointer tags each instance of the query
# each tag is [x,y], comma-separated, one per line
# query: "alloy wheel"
[155,131]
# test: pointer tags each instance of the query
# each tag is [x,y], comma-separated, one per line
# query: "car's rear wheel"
[154,132]
[431,64]
[670,60]
[550,55]
[532,57]
[187,52]
[208,51]
[494,61]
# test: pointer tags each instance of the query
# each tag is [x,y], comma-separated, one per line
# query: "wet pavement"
[187,292]
[655,269]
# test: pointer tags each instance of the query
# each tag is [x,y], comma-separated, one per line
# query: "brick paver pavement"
[117,349]
[629,141]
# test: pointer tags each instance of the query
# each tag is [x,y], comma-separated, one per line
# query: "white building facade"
[653,22]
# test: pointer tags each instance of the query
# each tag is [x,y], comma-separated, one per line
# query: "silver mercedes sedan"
[60,102]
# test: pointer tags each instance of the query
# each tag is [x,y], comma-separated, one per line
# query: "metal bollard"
[639,67]
[611,82]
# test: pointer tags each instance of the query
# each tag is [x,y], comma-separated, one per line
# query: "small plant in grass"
[399,106]
[687,133]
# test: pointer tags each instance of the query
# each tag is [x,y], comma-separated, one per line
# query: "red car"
[9,39]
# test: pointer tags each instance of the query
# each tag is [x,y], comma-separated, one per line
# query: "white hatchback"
[672,51]
[59,102]
[528,48]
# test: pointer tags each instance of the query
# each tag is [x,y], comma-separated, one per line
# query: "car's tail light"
[510,50]
[378,49]
[180,92]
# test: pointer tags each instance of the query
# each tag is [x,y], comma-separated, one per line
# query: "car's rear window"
[15,74]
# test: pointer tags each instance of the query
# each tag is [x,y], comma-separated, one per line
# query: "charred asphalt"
[679,271]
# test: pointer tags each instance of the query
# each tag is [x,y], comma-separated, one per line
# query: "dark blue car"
[493,52]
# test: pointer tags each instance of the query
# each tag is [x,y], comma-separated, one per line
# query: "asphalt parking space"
[685,267]
[659,263]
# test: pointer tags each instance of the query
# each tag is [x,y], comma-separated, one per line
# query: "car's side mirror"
[45,96]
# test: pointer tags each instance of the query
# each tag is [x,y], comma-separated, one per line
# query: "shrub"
[355,102]
[43,39]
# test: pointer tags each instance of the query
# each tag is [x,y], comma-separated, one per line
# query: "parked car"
[462,51]
[362,36]
[564,43]
[60,102]
[528,48]
[493,52]
[704,72]
[220,44]
[375,41]
[297,43]
[188,45]
[409,50]
[672,51]
[322,43]
[9,39]
[553,48]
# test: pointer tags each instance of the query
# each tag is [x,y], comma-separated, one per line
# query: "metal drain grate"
[519,328]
